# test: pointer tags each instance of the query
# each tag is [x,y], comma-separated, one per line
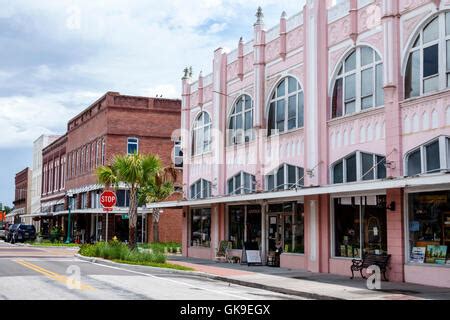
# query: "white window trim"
[357,72]
[201,128]
[443,156]
[359,173]
[132,143]
[199,193]
[244,134]
[286,184]
[443,69]
[287,95]
[177,144]
[241,189]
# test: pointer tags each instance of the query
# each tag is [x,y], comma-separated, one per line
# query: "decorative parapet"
[294,22]
[208,80]
[363,3]
[338,11]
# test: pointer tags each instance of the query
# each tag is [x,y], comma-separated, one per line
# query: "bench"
[370,260]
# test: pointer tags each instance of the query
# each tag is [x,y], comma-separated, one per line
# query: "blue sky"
[57,57]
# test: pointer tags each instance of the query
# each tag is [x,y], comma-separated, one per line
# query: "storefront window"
[294,226]
[244,225]
[360,226]
[286,227]
[236,226]
[201,228]
[429,227]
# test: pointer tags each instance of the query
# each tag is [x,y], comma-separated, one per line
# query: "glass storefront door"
[286,227]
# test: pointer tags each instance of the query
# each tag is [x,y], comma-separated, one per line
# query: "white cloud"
[23,119]
[89,47]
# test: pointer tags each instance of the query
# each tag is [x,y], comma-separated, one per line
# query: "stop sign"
[108,199]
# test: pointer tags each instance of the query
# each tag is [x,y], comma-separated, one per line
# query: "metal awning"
[440,179]
[36,215]
[16,212]
[100,211]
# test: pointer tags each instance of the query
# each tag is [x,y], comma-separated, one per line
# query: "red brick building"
[54,166]
[113,125]
[22,196]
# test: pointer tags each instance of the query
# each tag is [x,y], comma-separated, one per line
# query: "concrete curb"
[302,294]
[50,247]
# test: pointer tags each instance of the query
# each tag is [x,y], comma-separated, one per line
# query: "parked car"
[9,231]
[3,232]
[23,232]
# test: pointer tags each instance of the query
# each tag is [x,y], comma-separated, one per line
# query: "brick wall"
[170,223]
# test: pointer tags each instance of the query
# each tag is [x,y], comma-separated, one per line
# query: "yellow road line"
[55,276]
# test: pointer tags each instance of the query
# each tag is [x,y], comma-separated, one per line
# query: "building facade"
[113,125]
[22,197]
[36,178]
[326,136]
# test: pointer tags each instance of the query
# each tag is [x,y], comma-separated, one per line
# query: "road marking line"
[55,276]
[174,281]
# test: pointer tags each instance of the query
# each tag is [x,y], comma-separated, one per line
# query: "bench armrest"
[357,262]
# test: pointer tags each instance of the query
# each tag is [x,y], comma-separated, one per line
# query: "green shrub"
[115,250]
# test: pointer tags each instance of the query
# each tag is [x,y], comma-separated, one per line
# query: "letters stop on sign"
[108,199]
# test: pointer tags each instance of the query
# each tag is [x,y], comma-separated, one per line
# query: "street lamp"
[69,196]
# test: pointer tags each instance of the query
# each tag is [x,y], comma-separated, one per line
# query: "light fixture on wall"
[391,206]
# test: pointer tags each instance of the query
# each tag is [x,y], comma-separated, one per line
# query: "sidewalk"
[310,285]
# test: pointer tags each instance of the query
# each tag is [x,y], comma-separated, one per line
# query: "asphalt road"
[28,273]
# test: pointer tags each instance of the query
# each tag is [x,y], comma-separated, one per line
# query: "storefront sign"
[418,254]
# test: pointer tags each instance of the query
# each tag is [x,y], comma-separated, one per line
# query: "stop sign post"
[108,200]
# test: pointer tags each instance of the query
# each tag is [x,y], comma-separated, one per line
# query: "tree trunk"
[132,219]
[155,231]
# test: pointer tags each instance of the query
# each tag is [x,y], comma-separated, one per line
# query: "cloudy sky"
[56,57]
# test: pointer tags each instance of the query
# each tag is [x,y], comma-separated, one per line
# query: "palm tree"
[135,171]
[158,189]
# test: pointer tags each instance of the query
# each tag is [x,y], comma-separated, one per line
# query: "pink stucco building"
[327,136]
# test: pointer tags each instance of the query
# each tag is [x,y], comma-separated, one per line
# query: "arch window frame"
[284,171]
[355,103]
[240,128]
[378,168]
[201,134]
[280,99]
[241,183]
[423,49]
[443,143]
[200,189]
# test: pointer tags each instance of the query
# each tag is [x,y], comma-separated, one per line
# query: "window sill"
[428,265]
[198,156]
[285,133]
[293,254]
[240,145]
[426,96]
[199,247]
[345,258]
[356,115]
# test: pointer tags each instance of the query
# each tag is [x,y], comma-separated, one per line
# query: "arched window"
[359,83]
[242,183]
[359,166]
[201,140]
[430,157]
[241,121]
[286,109]
[428,67]
[201,189]
[285,178]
